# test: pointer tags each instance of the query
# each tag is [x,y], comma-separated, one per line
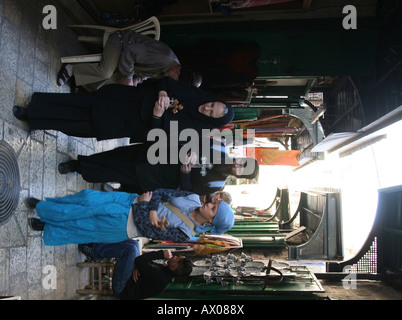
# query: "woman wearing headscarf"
[109,217]
[117,111]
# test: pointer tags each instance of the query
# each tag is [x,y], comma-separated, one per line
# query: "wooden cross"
[175,106]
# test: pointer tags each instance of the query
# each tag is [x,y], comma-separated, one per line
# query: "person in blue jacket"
[109,217]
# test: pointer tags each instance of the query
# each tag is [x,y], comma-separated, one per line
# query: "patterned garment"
[141,217]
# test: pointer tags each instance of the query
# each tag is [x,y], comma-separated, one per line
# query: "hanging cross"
[203,166]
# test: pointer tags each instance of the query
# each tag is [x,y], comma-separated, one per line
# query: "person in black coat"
[150,279]
[129,166]
[136,276]
[118,111]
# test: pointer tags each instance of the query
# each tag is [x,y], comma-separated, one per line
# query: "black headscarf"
[191,98]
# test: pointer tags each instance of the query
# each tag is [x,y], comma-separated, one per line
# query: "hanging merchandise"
[272,157]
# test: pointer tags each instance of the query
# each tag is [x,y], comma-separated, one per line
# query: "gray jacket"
[143,56]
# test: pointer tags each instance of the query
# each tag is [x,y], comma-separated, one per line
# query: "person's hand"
[154,219]
[127,82]
[188,163]
[191,158]
[147,196]
[159,110]
[186,168]
[136,275]
[164,99]
[203,199]
[162,104]
[137,81]
[167,254]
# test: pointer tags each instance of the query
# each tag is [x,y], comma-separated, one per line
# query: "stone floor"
[29,62]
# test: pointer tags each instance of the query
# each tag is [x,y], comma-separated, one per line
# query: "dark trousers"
[125,252]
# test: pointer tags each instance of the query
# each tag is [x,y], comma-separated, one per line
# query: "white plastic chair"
[150,27]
